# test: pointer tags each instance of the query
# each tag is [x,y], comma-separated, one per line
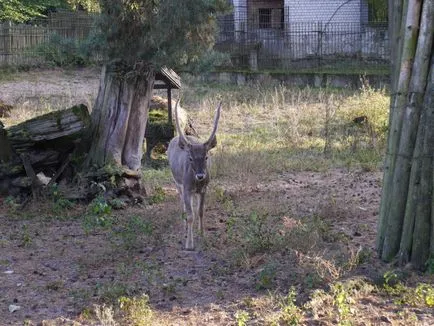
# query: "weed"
[11,203]
[99,207]
[312,280]
[260,233]
[105,315]
[158,196]
[342,301]
[224,200]
[137,311]
[111,292]
[291,314]
[98,215]
[133,230]
[62,204]
[392,283]
[26,239]
[55,285]
[242,317]
[421,295]
[425,293]
[265,279]
[86,314]
[117,203]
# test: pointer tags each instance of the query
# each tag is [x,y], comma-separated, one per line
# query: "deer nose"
[200,176]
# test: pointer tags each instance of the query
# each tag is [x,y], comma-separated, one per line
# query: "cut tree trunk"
[118,123]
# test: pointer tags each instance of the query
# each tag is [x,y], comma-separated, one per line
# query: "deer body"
[188,162]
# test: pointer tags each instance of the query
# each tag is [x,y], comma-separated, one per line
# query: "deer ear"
[212,142]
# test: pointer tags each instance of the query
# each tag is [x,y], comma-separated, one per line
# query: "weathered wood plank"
[68,124]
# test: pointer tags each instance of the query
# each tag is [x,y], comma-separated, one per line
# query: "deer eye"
[191,159]
[206,157]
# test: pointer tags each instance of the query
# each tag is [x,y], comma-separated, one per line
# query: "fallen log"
[46,142]
[50,130]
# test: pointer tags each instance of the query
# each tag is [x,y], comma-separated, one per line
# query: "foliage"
[64,52]
[136,310]
[134,228]
[242,317]
[88,5]
[260,233]
[422,294]
[164,32]
[158,196]
[377,10]
[20,11]
[266,277]
[23,10]
[291,314]
[208,61]
[98,215]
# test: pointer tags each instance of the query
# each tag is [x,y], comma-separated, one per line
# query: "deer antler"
[216,121]
[184,139]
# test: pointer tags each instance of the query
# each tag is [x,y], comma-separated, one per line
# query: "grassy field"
[290,222]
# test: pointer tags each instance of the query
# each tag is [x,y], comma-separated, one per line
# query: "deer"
[188,158]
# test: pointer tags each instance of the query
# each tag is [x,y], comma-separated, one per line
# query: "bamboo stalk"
[405,51]
[422,42]
[423,224]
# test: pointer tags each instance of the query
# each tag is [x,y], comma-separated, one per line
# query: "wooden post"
[169,104]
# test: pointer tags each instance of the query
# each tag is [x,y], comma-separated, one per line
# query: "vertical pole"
[169,104]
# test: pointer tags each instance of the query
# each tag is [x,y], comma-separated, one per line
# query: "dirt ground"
[55,269]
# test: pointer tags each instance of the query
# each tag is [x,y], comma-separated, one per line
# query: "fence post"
[253,59]
[320,36]
[7,41]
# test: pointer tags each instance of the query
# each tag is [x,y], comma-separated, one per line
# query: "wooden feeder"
[167,79]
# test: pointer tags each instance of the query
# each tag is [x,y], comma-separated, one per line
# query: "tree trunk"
[119,118]
[405,224]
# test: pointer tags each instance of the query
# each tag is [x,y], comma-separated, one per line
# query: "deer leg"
[180,189]
[189,208]
[201,205]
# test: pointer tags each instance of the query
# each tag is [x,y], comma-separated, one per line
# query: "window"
[271,18]
[264,17]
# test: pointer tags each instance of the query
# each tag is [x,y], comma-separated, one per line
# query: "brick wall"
[333,11]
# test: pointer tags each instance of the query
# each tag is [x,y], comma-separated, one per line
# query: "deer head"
[197,153]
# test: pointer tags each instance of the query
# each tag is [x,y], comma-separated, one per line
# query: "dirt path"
[51,267]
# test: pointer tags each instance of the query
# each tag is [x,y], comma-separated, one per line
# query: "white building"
[283,30]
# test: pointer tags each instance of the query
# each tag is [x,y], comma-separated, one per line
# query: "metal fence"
[266,39]
[271,39]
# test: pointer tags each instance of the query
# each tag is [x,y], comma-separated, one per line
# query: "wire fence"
[273,39]
[299,38]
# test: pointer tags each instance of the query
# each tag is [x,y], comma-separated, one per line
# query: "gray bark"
[119,117]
